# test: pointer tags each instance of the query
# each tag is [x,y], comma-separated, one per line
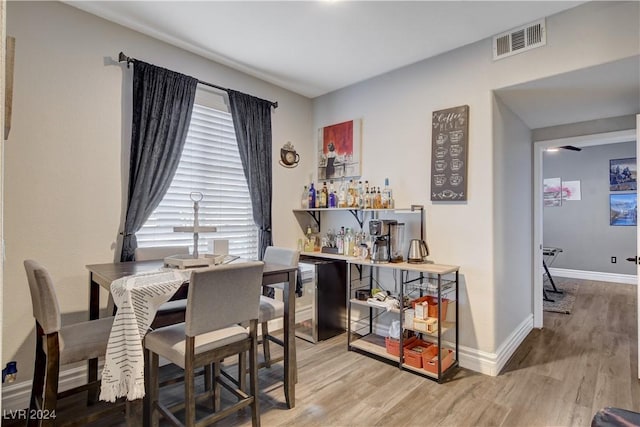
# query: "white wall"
[68,146]
[396,109]
[513,222]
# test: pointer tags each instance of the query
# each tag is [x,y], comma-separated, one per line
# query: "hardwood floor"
[560,376]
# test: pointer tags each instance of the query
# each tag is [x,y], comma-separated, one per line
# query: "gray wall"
[581,228]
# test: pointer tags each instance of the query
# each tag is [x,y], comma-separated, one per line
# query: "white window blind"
[210,164]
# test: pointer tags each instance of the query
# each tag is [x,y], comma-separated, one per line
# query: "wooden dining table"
[102,275]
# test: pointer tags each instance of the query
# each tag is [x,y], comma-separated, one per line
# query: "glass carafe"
[397,242]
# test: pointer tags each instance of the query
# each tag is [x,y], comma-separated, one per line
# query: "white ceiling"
[607,90]
[315,47]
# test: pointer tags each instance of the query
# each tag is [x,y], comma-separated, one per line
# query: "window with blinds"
[210,164]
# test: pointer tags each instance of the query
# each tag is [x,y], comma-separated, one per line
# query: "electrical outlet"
[613,260]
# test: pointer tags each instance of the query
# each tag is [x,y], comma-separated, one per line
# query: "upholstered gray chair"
[219,300]
[271,308]
[58,345]
[173,311]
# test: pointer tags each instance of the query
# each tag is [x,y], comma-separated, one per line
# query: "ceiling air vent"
[520,39]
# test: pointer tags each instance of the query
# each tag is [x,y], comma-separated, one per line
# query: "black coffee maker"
[380,231]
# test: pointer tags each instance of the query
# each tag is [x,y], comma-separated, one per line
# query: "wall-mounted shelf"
[359,214]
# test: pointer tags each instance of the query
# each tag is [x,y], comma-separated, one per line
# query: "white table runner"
[137,298]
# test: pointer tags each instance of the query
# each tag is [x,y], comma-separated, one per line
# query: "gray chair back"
[284,256]
[43,297]
[223,296]
[159,252]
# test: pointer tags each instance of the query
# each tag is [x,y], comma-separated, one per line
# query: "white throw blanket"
[137,298]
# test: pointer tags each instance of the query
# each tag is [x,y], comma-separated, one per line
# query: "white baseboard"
[630,279]
[16,396]
[492,363]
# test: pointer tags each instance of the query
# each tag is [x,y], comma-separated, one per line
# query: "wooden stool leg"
[253,376]
[51,382]
[154,389]
[39,372]
[265,345]
[242,371]
[189,383]
[216,386]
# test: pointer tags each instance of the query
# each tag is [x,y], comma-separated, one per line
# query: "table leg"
[92,364]
[289,341]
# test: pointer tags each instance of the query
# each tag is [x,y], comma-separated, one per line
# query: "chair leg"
[207,377]
[253,375]
[37,387]
[50,401]
[265,344]
[189,383]
[153,389]
[242,371]
[216,386]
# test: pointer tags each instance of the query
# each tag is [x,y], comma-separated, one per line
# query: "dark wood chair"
[218,302]
[58,345]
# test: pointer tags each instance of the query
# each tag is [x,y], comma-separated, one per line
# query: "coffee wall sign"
[449,143]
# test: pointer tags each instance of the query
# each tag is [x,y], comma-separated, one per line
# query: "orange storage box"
[430,359]
[418,300]
[393,345]
[433,307]
[413,353]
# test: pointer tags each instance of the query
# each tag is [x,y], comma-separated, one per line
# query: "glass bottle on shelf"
[309,241]
[332,196]
[377,204]
[304,200]
[324,196]
[351,195]
[312,197]
[387,195]
[342,195]
[340,241]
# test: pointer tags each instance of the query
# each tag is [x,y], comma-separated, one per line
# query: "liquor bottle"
[351,195]
[348,243]
[312,197]
[340,241]
[360,195]
[324,196]
[377,204]
[342,195]
[387,194]
[308,247]
[304,200]
[367,199]
[332,196]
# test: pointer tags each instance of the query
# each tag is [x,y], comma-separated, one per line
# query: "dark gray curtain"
[162,106]
[252,121]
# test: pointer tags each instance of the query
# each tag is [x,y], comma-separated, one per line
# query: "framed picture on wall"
[339,150]
[623,209]
[622,174]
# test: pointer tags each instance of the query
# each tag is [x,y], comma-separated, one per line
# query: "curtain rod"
[124,58]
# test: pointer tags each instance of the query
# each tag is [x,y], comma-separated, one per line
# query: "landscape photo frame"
[623,174]
[623,209]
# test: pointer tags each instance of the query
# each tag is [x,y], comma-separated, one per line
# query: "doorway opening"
[538,241]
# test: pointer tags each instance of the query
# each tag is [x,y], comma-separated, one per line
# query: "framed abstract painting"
[340,150]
